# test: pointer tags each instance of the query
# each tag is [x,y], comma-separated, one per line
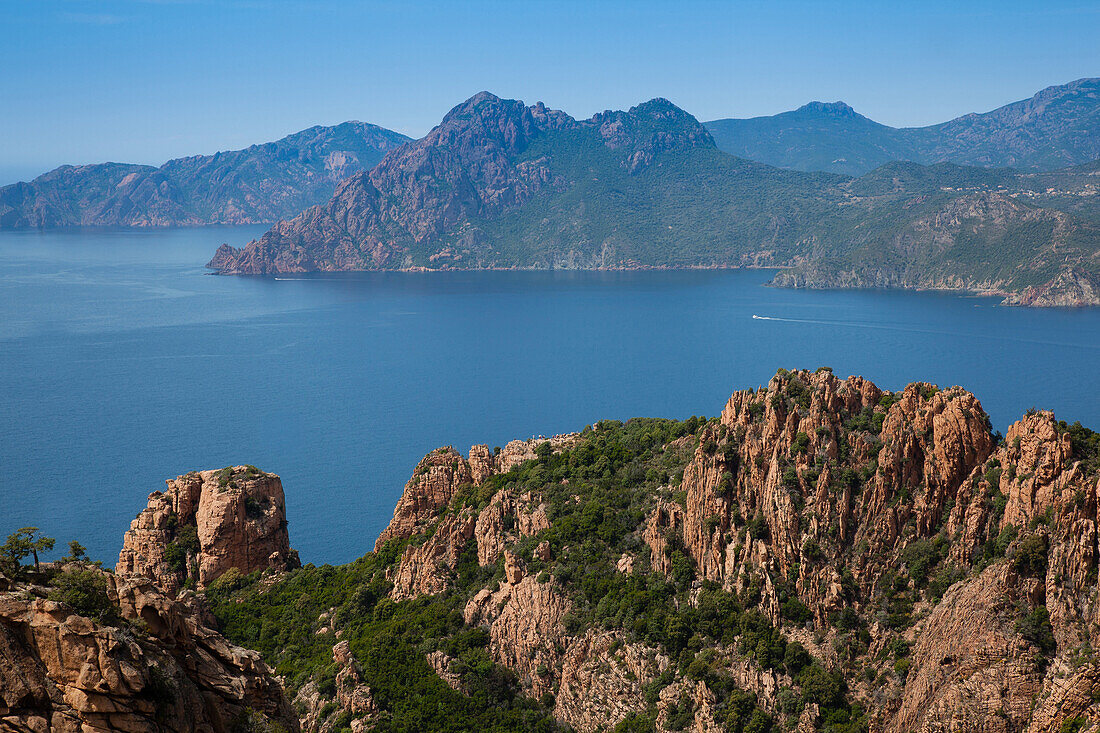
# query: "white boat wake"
[907,329]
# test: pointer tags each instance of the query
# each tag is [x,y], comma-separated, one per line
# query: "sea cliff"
[825,555]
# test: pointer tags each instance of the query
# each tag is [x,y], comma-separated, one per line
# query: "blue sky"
[143,81]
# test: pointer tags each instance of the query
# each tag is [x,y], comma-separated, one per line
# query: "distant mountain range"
[499,184]
[260,184]
[1058,127]
[502,185]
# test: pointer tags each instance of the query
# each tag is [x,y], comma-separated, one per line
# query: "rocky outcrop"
[829,506]
[971,669]
[431,488]
[443,471]
[841,486]
[506,519]
[525,620]
[352,699]
[427,562]
[830,551]
[1072,287]
[773,484]
[156,666]
[443,664]
[205,523]
[427,568]
[603,679]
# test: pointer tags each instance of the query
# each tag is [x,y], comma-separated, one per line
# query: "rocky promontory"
[825,555]
[206,522]
[83,649]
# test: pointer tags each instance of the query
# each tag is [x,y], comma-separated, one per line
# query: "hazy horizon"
[143,81]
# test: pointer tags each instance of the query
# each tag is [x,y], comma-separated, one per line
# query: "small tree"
[24,542]
[77,553]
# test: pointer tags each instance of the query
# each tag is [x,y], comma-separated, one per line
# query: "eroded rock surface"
[155,667]
[206,522]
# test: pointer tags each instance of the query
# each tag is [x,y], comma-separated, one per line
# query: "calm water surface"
[123,363]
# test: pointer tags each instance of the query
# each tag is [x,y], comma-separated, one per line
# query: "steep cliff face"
[425,567]
[883,531]
[351,696]
[771,483]
[149,663]
[847,491]
[205,523]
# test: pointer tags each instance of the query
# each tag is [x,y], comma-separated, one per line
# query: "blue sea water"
[122,363]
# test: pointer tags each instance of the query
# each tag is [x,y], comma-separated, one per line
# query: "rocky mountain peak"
[440,193]
[660,108]
[891,536]
[481,104]
[830,109]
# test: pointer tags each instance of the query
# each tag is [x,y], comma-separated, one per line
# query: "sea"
[123,363]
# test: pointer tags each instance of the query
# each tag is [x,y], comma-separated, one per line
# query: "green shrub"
[161,690]
[636,723]
[901,667]
[231,580]
[796,658]
[1031,555]
[1036,628]
[821,687]
[84,591]
[252,508]
[921,556]
[1072,725]
[796,611]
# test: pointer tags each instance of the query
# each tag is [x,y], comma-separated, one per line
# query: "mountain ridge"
[258,184]
[1057,127]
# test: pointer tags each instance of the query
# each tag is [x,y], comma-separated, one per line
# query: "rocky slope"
[1072,287]
[82,649]
[825,555]
[260,184]
[491,162]
[1022,236]
[1056,128]
[205,523]
[135,661]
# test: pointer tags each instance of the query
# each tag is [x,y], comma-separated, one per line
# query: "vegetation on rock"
[807,559]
